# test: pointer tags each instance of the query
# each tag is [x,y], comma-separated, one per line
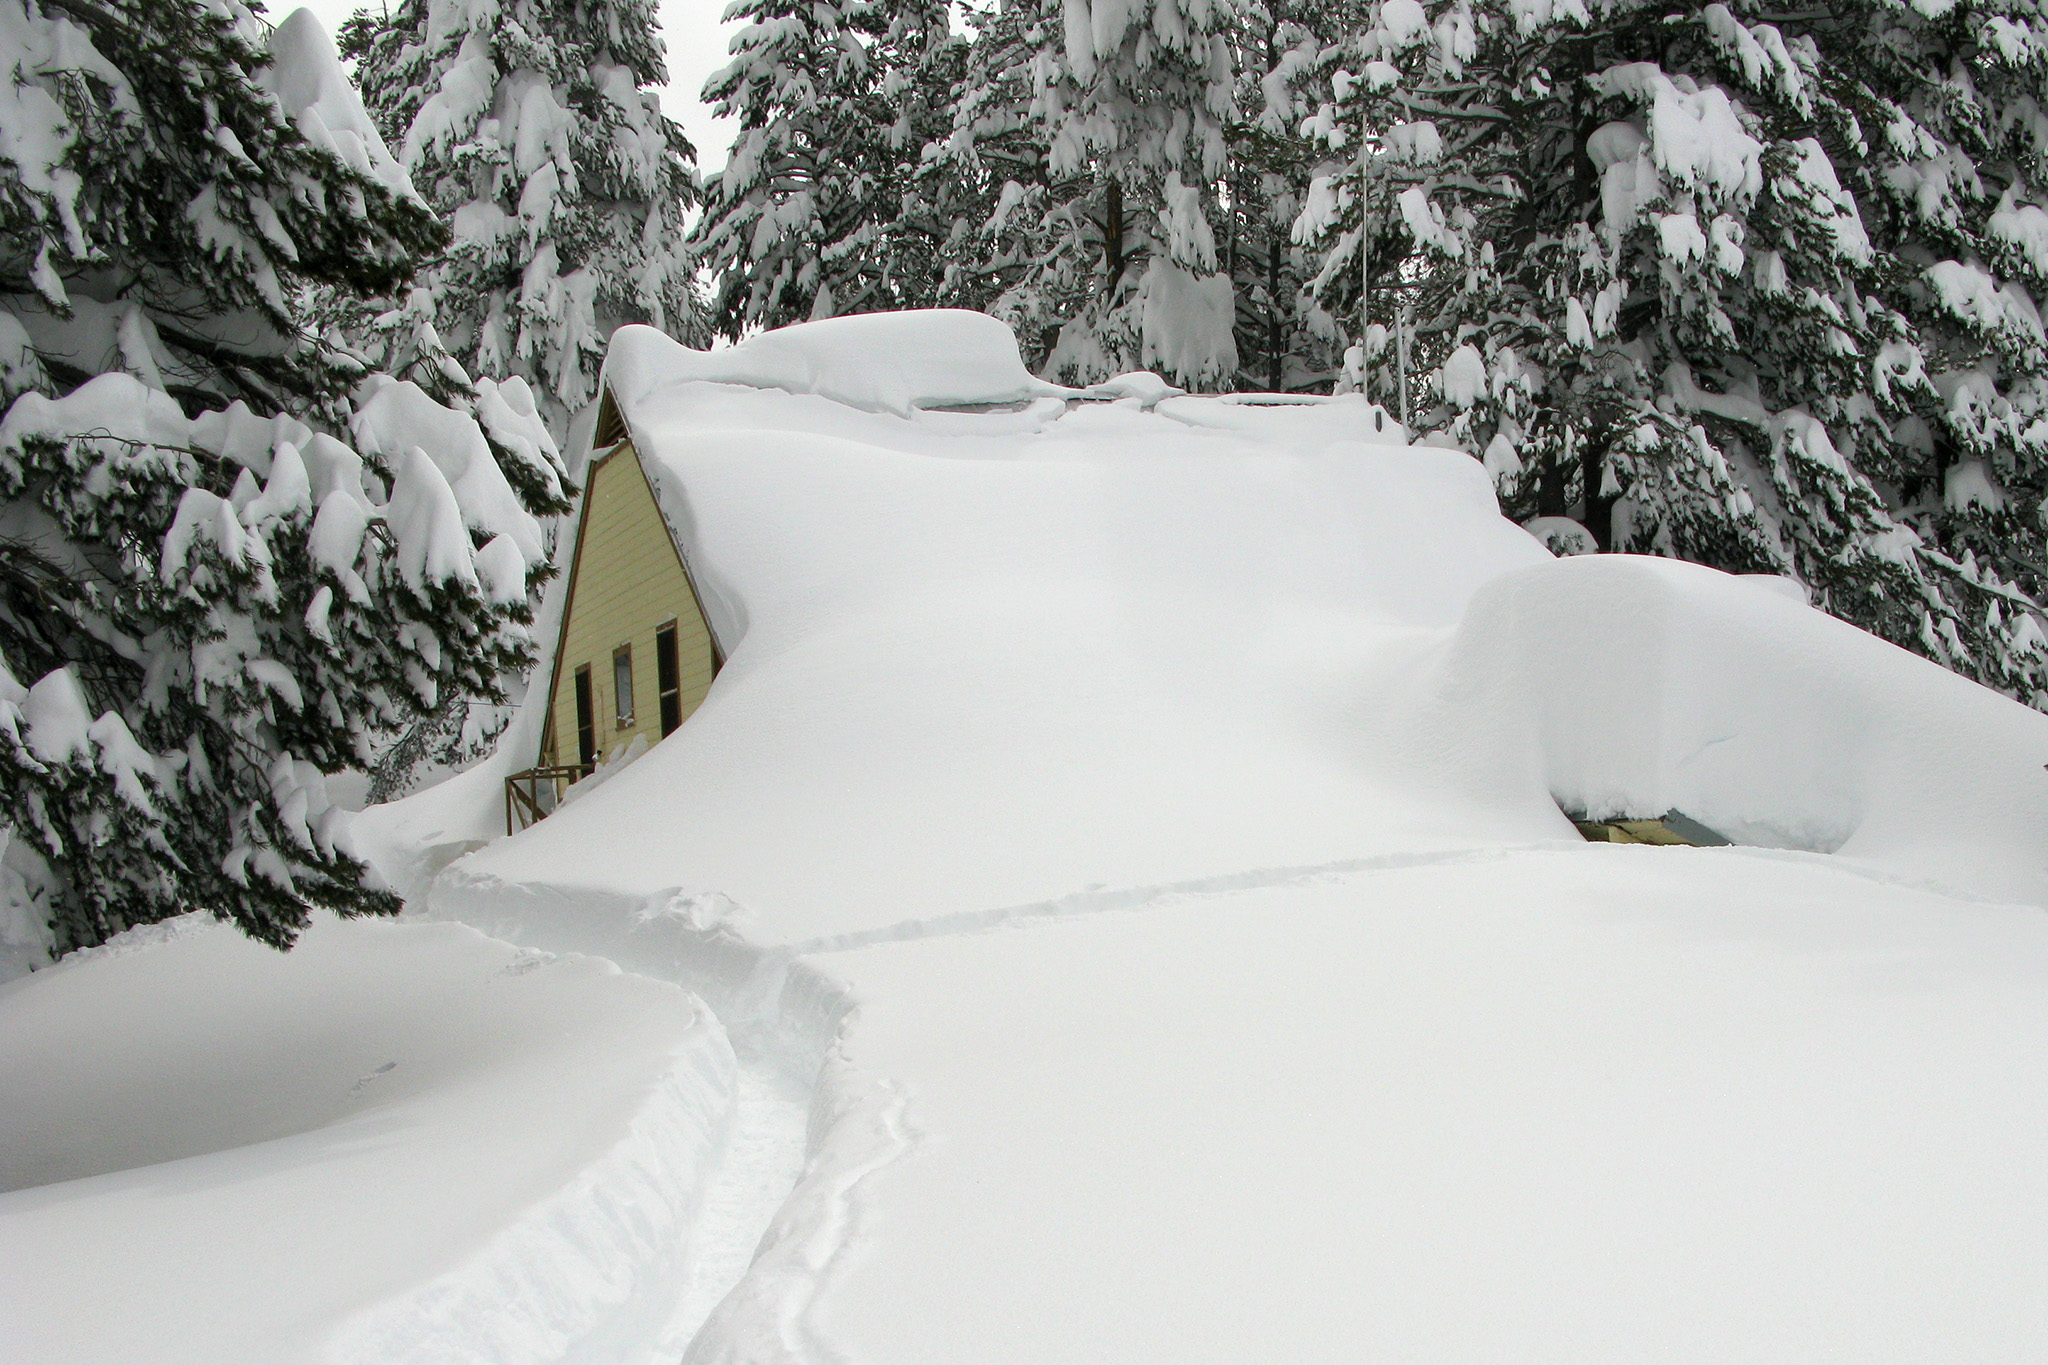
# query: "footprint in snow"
[357,1087]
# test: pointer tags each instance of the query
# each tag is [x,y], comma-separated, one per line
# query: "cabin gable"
[632,618]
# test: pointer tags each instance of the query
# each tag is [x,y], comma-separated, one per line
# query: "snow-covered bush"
[233,558]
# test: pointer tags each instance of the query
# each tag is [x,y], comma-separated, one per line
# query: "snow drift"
[1314,1030]
[1009,656]
[990,659]
[1630,686]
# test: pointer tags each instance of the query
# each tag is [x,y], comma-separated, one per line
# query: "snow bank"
[1629,686]
[397,1142]
[1594,1104]
[878,362]
[1313,1031]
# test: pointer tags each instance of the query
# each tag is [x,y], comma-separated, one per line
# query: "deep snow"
[971,666]
[997,658]
[396,1142]
[1126,849]
[1598,1103]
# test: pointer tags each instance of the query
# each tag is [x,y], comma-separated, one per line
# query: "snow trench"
[762,1160]
[768,1201]
[585,1268]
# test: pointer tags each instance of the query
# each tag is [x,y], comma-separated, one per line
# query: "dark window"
[622,683]
[668,674]
[586,721]
[611,428]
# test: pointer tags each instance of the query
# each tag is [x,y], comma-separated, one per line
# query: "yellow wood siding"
[628,583]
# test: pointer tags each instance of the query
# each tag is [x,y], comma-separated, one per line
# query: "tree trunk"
[1276,373]
[1550,487]
[1113,239]
[1599,517]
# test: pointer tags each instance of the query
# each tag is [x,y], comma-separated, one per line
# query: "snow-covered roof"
[980,660]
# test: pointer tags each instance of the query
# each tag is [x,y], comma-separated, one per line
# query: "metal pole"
[1364,245]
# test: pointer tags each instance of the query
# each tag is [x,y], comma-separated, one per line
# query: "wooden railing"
[531,796]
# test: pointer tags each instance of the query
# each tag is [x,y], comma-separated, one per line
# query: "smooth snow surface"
[395,1143]
[1591,1104]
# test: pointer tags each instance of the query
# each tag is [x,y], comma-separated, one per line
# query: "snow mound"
[877,362]
[396,1142]
[1630,686]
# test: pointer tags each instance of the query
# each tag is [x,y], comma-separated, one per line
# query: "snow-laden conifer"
[234,557]
[1287,339]
[1754,290]
[532,129]
[1101,126]
[818,210]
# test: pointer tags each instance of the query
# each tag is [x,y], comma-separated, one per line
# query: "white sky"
[696,48]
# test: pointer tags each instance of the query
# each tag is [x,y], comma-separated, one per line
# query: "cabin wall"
[628,583]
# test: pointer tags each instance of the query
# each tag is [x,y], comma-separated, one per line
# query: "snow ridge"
[858,1126]
[578,1260]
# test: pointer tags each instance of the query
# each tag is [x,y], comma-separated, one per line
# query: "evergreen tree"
[236,557]
[1726,288]
[1107,122]
[817,211]
[1287,340]
[1021,254]
[530,128]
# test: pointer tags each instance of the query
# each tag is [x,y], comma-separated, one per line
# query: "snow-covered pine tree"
[1286,339]
[1015,255]
[1711,284]
[1953,171]
[1126,107]
[399,338]
[234,556]
[817,211]
[531,128]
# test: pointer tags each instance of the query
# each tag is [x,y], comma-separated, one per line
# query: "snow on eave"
[939,360]
[875,362]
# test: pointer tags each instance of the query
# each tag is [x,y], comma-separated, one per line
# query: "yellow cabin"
[635,655]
